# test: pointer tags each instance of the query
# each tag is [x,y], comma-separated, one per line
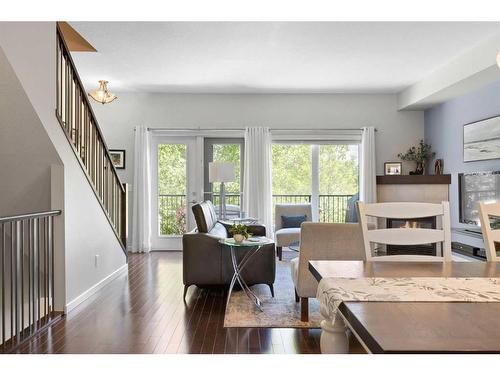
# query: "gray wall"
[396,130]
[444,130]
[30,49]
[26,152]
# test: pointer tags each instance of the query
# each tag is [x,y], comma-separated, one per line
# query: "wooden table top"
[419,327]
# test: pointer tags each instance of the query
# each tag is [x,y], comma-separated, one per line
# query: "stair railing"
[26,276]
[77,119]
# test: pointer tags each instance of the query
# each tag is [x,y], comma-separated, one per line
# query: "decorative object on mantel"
[393,168]
[102,95]
[419,154]
[239,232]
[438,167]
[118,158]
[443,179]
[482,140]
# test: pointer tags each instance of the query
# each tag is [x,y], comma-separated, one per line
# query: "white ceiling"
[271,57]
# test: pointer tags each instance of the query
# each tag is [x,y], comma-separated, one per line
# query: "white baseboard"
[94,289]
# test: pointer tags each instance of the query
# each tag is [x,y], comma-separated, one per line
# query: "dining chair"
[491,236]
[406,236]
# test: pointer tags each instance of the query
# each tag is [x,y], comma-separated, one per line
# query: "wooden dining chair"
[491,236]
[406,236]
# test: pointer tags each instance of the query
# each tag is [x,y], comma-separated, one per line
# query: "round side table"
[251,248]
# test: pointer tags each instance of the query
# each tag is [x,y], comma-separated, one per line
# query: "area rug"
[279,312]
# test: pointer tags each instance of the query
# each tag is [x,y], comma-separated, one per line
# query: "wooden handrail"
[79,123]
[85,97]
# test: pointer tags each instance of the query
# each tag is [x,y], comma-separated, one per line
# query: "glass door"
[173,190]
[229,150]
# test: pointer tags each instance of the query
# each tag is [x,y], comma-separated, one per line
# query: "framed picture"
[118,158]
[393,168]
[482,140]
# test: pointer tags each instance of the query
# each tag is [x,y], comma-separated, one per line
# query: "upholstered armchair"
[284,237]
[322,241]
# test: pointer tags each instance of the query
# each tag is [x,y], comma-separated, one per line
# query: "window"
[229,150]
[326,175]
[172,177]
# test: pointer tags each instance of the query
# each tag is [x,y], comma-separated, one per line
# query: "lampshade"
[102,95]
[498,59]
[220,172]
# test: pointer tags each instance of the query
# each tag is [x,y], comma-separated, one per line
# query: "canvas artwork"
[482,140]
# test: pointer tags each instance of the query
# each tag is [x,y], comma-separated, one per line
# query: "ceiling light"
[102,95]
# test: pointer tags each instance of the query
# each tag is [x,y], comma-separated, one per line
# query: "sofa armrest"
[201,259]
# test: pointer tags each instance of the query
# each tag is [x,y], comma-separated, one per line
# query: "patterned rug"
[279,312]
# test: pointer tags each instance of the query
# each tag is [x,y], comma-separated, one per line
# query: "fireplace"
[425,249]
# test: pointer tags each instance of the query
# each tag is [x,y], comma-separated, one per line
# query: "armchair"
[284,237]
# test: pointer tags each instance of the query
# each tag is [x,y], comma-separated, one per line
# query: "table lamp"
[221,172]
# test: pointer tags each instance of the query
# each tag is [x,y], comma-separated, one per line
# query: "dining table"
[411,326]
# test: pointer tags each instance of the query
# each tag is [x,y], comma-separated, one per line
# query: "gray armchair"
[205,262]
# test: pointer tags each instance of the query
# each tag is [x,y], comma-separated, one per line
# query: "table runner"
[332,291]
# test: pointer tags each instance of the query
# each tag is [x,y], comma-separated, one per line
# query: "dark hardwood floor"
[143,312]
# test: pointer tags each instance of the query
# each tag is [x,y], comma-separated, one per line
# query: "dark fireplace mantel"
[443,179]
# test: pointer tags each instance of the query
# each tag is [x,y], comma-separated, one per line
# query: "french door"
[175,175]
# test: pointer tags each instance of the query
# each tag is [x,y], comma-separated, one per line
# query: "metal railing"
[77,119]
[172,208]
[332,207]
[26,276]
[172,214]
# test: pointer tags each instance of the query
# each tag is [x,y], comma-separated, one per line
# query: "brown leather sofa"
[205,262]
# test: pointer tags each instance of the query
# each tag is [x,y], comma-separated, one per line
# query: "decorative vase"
[238,238]
[420,168]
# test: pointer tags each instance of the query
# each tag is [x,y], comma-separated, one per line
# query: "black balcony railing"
[172,208]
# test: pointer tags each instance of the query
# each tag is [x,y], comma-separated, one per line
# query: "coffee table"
[251,248]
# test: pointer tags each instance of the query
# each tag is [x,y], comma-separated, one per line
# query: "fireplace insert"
[423,222]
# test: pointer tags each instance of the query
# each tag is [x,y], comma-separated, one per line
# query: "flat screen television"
[473,188]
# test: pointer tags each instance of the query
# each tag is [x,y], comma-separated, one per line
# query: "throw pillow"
[292,221]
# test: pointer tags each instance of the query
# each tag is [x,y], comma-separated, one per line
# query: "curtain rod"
[242,129]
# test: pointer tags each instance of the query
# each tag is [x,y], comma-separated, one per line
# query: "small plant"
[239,229]
[419,154]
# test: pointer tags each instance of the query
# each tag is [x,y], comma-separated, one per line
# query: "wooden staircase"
[79,123]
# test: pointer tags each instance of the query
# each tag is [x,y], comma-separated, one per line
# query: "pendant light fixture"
[102,95]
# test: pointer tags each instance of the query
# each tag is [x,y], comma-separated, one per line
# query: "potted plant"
[239,232]
[420,154]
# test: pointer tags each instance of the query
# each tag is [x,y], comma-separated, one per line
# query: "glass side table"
[251,248]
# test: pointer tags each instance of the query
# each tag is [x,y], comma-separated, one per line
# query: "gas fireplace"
[426,249]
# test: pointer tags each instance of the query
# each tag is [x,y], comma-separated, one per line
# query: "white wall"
[396,130]
[30,48]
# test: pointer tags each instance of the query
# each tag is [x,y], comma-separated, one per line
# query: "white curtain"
[141,207]
[368,180]
[257,188]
